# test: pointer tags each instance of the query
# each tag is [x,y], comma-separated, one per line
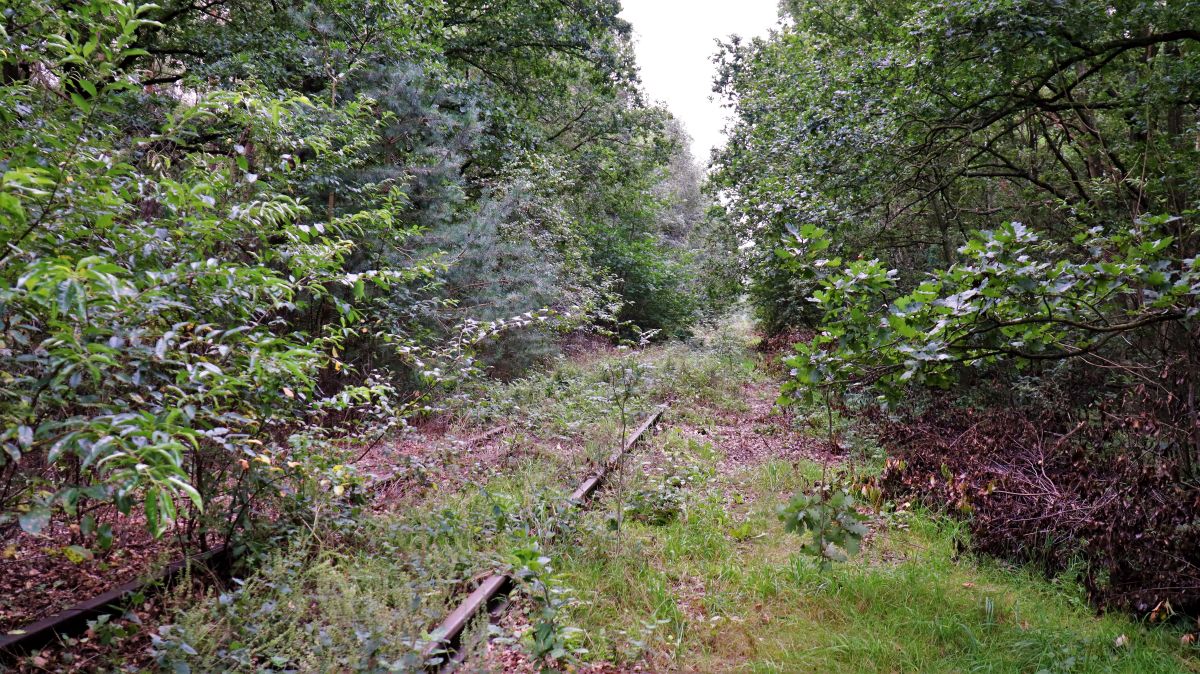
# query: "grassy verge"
[721,589]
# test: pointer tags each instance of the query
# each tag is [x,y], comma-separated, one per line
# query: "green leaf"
[77,553]
[104,536]
[35,519]
[80,102]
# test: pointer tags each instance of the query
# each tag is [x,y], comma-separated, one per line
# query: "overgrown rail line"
[446,638]
[490,593]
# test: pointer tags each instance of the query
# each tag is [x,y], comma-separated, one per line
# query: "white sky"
[674,42]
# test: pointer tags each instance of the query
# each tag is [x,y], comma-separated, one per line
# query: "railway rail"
[445,639]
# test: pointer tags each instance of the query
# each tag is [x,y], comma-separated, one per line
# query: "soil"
[38,578]
[763,433]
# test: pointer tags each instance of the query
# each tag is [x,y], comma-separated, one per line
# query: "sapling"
[624,377]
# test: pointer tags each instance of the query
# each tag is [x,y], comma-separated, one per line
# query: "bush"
[1041,487]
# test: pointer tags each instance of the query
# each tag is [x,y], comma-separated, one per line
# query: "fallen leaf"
[1162,611]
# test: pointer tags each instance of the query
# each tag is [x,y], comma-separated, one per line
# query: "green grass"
[906,605]
[328,612]
[363,597]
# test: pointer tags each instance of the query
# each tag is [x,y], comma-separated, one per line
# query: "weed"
[550,640]
[830,517]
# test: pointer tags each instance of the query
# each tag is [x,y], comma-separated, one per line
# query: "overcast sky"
[675,40]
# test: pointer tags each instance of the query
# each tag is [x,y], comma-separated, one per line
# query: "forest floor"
[697,576]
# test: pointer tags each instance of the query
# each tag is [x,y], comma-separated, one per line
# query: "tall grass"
[911,603]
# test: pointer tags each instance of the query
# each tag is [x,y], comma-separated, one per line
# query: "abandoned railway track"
[489,594]
[445,639]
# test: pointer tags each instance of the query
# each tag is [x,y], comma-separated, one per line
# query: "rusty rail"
[447,636]
[74,619]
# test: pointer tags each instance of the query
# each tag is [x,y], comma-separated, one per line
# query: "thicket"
[997,201]
[236,236]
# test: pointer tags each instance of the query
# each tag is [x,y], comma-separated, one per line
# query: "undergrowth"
[703,577]
[363,596]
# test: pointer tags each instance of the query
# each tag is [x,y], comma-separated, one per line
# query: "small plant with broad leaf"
[828,513]
[550,640]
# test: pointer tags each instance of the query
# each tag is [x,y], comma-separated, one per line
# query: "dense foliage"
[998,199]
[234,235]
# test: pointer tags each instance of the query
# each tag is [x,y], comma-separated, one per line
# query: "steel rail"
[446,638]
[72,620]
